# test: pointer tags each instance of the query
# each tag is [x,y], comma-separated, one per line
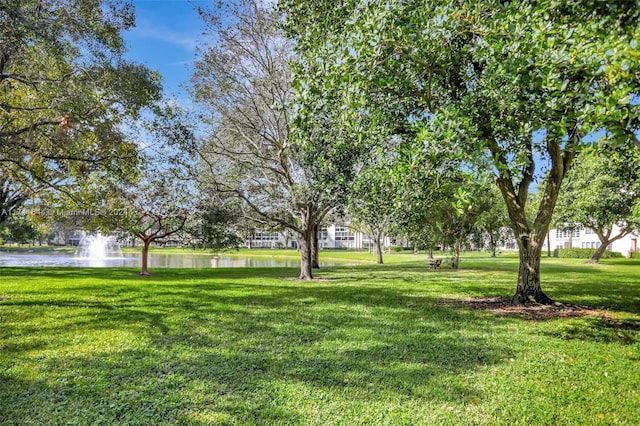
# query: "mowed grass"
[366,344]
[326,255]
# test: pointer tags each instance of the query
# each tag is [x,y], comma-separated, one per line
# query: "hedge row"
[583,253]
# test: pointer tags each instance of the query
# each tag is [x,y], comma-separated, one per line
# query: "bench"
[435,263]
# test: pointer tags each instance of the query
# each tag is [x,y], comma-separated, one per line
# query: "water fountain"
[95,250]
[99,247]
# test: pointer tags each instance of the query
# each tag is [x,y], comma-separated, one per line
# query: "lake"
[156,260]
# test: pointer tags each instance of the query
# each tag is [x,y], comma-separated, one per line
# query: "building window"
[324,234]
[265,236]
[343,234]
[591,244]
[560,233]
[588,231]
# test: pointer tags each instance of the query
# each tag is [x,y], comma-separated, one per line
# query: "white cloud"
[147,29]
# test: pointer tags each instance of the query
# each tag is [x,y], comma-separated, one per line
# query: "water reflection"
[156,260]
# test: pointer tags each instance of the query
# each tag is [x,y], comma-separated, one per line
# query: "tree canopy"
[67,94]
[507,84]
[243,82]
[603,190]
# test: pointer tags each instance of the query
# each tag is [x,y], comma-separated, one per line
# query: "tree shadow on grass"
[614,295]
[254,354]
[157,274]
[243,346]
[600,329]
[248,385]
[575,285]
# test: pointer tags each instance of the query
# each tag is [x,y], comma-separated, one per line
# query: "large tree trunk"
[306,237]
[530,236]
[306,267]
[315,262]
[528,289]
[145,257]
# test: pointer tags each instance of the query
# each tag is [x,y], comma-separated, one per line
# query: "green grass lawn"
[365,344]
[327,255]
[37,249]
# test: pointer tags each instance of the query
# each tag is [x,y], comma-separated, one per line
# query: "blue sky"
[165,40]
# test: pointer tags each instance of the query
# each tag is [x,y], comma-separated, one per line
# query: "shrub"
[398,249]
[635,255]
[583,253]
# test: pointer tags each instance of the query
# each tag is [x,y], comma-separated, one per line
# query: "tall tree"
[372,202]
[243,83]
[603,190]
[504,81]
[66,92]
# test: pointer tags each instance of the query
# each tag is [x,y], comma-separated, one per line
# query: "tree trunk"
[599,252]
[306,236]
[145,257]
[315,263]
[530,236]
[548,243]
[304,244]
[430,253]
[605,240]
[456,254]
[529,289]
[378,249]
[492,244]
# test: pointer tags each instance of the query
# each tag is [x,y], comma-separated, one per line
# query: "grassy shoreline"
[37,249]
[364,344]
[363,256]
